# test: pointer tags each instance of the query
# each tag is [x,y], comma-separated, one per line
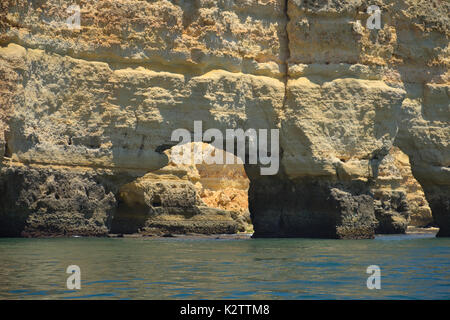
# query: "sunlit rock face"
[185,198]
[353,93]
[98,106]
[397,189]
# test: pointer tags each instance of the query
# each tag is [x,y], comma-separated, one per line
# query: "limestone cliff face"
[99,104]
[396,184]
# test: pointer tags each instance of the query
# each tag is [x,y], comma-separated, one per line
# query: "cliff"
[86,115]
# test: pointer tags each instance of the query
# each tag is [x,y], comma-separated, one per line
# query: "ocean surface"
[412,267]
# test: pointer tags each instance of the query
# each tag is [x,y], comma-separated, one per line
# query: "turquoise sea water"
[412,267]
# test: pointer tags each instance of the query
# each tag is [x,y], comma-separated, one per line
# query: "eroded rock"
[312,208]
[108,96]
[159,204]
[41,201]
[395,177]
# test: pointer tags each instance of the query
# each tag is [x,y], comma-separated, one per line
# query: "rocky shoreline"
[232,236]
[87,116]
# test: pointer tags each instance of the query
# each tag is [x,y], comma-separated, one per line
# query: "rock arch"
[98,106]
[184,198]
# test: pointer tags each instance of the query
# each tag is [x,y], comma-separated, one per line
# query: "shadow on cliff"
[427,167]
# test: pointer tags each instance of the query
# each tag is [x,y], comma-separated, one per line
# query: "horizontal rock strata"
[85,114]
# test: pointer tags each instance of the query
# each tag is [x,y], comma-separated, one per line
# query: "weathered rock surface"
[356,92]
[312,208]
[222,186]
[167,202]
[104,100]
[391,211]
[42,201]
[395,178]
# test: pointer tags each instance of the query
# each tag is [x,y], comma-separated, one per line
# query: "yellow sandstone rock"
[107,97]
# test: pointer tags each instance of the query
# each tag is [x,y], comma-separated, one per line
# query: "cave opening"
[399,196]
[219,186]
[189,197]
